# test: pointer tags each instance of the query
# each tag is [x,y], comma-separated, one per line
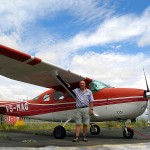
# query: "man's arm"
[91,103]
[72,91]
[91,108]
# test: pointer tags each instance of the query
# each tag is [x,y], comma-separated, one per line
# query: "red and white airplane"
[58,103]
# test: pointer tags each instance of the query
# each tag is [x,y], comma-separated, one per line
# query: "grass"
[40,126]
[114,124]
[140,123]
[49,126]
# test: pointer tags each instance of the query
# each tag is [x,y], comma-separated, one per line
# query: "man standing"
[84,108]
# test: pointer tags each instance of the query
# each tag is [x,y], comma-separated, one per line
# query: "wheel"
[128,135]
[59,132]
[95,129]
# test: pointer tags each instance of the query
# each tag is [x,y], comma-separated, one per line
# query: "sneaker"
[75,140]
[84,139]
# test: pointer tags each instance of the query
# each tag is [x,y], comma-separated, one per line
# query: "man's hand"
[68,84]
[91,112]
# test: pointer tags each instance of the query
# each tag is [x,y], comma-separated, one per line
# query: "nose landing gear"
[127,132]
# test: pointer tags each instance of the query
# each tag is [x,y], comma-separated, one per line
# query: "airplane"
[58,103]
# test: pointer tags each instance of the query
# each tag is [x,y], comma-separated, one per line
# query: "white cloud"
[127,28]
[116,29]
[10,40]
[145,39]
[16,15]
[119,70]
[15,90]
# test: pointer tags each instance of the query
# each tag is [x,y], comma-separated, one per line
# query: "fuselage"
[109,104]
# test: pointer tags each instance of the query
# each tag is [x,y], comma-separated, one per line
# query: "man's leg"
[86,121]
[85,127]
[77,133]
[77,130]
[78,124]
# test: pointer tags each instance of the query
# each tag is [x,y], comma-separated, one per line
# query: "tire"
[128,135]
[59,132]
[95,129]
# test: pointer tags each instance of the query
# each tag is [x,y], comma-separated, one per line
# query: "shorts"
[82,116]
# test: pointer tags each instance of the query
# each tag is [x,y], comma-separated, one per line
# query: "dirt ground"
[45,139]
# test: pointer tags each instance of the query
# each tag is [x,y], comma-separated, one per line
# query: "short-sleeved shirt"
[83,98]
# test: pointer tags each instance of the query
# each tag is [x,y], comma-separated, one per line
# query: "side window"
[69,95]
[58,95]
[46,98]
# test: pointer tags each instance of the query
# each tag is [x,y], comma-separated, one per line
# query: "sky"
[106,40]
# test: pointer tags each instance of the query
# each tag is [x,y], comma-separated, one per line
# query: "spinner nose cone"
[147,95]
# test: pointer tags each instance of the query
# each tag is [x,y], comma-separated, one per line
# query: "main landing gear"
[60,131]
[94,129]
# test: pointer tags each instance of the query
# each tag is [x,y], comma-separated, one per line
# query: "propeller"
[146,81]
[148,96]
[148,109]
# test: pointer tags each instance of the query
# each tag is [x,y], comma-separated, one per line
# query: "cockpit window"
[97,85]
[58,95]
[46,97]
[36,98]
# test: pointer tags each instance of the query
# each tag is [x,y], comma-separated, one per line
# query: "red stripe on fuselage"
[14,54]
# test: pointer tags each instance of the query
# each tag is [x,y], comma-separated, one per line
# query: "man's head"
[82,85]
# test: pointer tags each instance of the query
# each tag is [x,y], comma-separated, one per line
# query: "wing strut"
[65,85]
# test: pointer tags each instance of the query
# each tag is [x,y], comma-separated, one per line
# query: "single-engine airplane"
[58,103]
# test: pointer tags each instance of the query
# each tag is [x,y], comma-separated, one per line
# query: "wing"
[23,67]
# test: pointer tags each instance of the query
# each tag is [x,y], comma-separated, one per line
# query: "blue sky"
[67,22]
[108,40]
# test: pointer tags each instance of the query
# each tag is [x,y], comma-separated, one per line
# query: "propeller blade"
[148,109]
[146,81]
[148,97]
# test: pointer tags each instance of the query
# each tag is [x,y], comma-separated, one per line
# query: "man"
[84,108]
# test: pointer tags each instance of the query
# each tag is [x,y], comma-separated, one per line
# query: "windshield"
[36,98]
[97,85]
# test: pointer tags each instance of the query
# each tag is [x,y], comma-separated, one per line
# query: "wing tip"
[13,54]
